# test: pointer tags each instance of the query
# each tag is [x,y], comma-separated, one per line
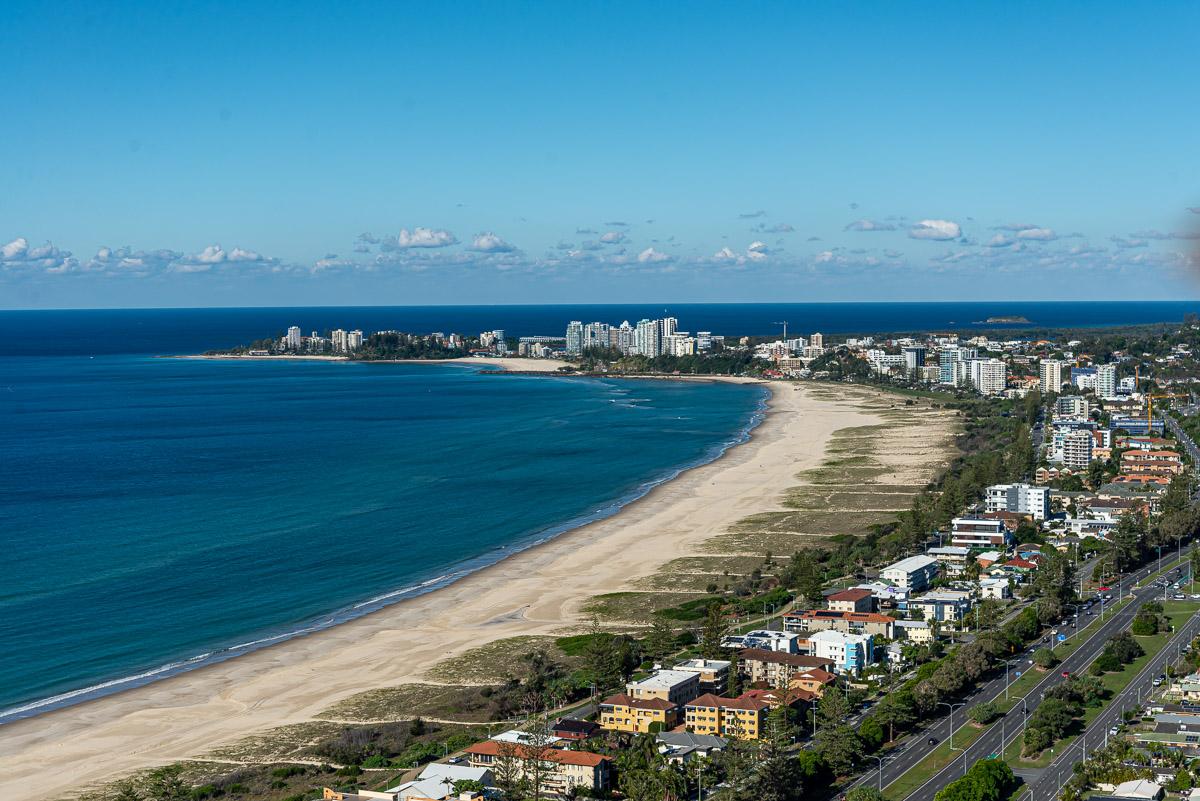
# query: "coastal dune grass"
[431,701]
[492,663]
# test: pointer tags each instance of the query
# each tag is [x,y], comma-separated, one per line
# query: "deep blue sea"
[160,513]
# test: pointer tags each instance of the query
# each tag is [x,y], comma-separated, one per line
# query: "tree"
[984,713]
[1045,658]
[660,640]
[1128,539]
[535,756]
[864,794]
[713,631]
[507,772]
[896,709]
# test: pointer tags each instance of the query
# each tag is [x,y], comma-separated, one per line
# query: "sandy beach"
[539,591]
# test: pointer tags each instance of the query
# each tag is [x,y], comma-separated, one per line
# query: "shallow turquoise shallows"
[156,514]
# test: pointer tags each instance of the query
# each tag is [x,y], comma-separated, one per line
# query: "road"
[916,747]
[1047,786]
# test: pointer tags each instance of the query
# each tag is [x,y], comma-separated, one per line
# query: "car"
[933,741]
[1105,589]
[1114,731]
[455,760]
[1157,682]
[1066,674]
[1178,596]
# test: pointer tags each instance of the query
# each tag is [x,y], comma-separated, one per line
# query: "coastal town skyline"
[819,154]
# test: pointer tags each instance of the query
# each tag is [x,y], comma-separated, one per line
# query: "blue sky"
[288,153]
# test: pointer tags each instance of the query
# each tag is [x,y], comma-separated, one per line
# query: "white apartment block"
[913,574]
[1106,381]
[1051,376]
[1077,449]
[988,376]
[1022,499]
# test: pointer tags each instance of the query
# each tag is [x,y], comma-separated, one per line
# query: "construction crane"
[1150,411]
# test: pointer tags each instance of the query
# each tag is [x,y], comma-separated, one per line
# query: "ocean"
[157,514]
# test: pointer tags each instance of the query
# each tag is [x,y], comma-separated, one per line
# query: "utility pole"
[784,324]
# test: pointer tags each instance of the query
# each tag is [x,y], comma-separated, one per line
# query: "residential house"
[573,730]
[813,680]
[916,631]
[681,747]
[997,588]
[566,769]
[436,782]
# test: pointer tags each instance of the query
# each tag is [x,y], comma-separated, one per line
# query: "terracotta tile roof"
[621,699]
[853,595]
[585,758]
[745,701]
[816,674]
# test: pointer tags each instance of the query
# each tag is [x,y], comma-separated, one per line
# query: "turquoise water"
[160,513]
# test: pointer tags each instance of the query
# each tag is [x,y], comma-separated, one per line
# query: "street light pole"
[952,707]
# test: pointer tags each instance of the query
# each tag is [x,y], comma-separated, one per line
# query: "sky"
[293,153]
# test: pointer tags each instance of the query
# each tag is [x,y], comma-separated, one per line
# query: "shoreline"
[349,613]
[502,363]
[536,591]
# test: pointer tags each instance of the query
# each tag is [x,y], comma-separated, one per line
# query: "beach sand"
[539,591]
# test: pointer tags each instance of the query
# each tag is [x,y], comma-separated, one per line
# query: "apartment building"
[952,559]
[850,653]
[1024,499]
[774,668]
[868,623]
[712,673]
[622,712]
[978,532]
[566,769]
[853,600]
[676,686]
[741,718]
[1052,374]
[913,574]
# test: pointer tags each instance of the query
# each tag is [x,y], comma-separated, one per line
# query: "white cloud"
[1038,234]
[423,238]
[935,229]
[870,225]
[757,251]
[1000,241]
[215,255]
[612,237]
[725,254]
[652,256]
[490,243]
[17,255]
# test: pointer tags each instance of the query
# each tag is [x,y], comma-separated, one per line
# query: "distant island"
[1008,318]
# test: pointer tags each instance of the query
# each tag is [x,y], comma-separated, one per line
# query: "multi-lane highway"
[900,761]
[1047,786]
